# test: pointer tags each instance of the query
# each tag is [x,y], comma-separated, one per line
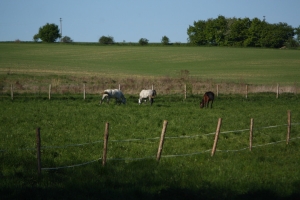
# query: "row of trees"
[143,41]
[217,32]
[50,33]
[242,32]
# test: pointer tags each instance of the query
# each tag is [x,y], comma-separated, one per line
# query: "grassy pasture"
[252,66]
[268,172]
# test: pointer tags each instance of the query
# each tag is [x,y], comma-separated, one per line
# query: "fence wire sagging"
[157,138]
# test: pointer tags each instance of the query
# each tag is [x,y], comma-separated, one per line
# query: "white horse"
[113,93]
[147,94]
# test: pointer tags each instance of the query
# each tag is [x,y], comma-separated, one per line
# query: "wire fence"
[132,87]
[157,138]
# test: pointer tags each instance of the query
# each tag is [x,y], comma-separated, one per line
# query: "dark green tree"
[215,30]
[36,37]
[106,40]
[297,32]
[66,39]
[238,32]
[143,41]
[196,33]
[49,33]
[276,35]
[165,40]
[255,33]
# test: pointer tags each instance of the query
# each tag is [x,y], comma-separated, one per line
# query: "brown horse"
[208,96]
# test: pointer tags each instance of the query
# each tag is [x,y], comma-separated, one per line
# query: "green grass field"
[72,132]
[253,66]
[72,128]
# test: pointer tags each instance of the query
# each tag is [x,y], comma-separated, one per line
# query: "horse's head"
[153,93]
[124,100]
[202,104]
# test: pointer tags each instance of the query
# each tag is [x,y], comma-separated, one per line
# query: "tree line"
[242,32]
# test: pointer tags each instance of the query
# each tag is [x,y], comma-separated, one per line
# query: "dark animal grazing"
[208,96]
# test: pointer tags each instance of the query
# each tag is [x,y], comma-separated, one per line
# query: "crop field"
[72,128]
[252,66]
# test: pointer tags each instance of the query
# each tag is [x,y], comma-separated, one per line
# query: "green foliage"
[36,38]
[239,32]
[165,40]
[106,40]
[48,33]
[143,41]
[297,32]
[66,39]
[267,172]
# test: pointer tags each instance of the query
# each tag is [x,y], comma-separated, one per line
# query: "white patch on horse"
[113,93]
[147,94]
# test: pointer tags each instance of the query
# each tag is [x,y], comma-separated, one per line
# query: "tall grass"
[269,171]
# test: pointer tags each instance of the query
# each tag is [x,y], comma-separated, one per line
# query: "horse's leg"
[211,103]
[103,97]
[151,101]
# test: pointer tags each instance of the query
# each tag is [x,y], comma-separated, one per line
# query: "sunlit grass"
[253,66]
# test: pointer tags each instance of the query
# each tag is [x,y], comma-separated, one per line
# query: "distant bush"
[143,41]
[106,40]
[66,39]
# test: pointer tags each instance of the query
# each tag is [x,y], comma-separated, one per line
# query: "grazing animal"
[208,96]
[113,93]
[147,94]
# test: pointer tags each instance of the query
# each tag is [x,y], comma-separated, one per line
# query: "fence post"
[162,138]
[185,91]
[289,127]
[246,91]
[216,137]
[277,93]
[152,87]
[105,143]
[11,92]
[49,91]
[38,150]
[119,86]
[251,134]
[84,91]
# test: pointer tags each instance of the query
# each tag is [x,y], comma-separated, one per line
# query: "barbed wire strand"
[166,156]
[132,140]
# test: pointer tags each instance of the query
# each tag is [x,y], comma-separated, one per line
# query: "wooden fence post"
[185,91]
[152,87]
[289,127]
[119,86]
[216,137]
[277,93]
[251,134]
[38,150]
[162,138]
[246,91]
[105,143]
[84,91]
[49,91]
[11,92]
